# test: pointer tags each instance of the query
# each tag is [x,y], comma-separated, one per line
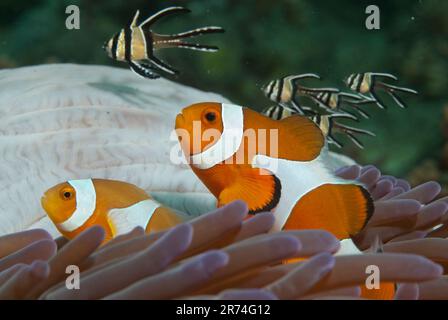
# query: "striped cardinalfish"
[369,82]
[286,92]
[117,206]
[327,123]
[135,44]
[330,126]
[293,182]
[333,100]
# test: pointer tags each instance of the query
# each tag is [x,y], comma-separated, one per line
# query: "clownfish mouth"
[183,135]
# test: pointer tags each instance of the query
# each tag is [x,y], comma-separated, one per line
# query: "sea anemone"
[60,122]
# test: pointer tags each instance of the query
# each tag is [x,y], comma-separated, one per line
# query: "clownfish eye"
[210,116]
[66,194]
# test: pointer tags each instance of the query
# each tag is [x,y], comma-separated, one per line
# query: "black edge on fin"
[275,198]
[370,205]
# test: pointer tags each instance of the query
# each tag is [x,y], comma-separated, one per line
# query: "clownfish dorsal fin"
[300,139]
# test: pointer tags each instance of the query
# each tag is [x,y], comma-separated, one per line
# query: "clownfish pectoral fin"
[124,220]
[143,70]
[301,139]
[342,209]
[261,192]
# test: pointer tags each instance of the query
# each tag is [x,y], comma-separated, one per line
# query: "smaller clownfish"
[117,206]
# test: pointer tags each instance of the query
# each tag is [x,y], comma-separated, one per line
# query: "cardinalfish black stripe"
[369,82]
[136,43]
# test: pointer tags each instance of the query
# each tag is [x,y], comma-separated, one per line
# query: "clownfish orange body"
[117,206]
[284,173]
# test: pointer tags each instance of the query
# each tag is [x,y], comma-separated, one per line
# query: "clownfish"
[370,82]
[276,166]
[117,206]
[136,43]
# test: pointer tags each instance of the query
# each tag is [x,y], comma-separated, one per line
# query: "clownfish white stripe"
[311,174]
[85,204]
[124,220]
[229,142]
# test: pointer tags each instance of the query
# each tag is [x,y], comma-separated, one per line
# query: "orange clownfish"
[117,206]
[287,176]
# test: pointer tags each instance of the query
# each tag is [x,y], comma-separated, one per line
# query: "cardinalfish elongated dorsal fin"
[342,209]
[260,190]
[133,23]
[163,13]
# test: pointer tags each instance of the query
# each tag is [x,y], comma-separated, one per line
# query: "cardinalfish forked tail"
[327,123]
[291,180]
[370,82]
[136,43]
[117,206]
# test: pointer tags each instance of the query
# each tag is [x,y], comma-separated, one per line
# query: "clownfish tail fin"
[363,204]
[342,209]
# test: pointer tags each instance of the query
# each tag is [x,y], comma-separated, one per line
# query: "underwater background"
[267,39]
